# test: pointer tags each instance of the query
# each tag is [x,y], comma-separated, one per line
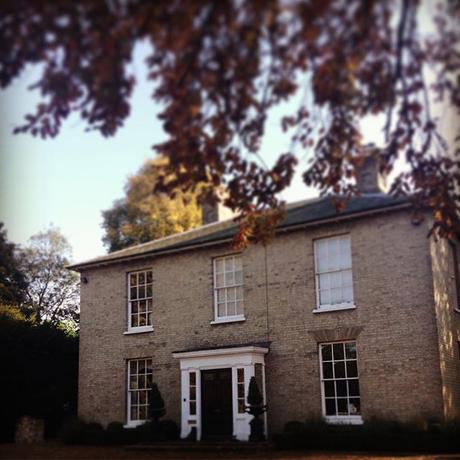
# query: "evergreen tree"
[156,405]
[256,408]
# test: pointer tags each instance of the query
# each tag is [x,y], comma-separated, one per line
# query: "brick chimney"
[369,179]
[215,212]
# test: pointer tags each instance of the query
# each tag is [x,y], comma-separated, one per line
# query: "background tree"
[52,292]
[41,372]
[12,280]
[219,67]
[143,215]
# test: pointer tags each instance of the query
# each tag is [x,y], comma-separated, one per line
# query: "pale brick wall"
[393,290]
[448,324]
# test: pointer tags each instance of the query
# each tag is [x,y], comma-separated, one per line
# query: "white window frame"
[338,419]
[148,327]
[130,422]
[228,318]
[320,308]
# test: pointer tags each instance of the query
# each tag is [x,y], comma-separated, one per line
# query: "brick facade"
[408,363]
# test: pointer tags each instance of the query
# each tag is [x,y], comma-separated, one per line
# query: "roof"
[303,213]
[224,347]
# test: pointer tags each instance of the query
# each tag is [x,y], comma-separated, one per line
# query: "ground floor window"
[139,385]
[339,380]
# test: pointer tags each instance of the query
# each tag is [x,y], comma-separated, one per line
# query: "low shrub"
[75,431]
[374,435]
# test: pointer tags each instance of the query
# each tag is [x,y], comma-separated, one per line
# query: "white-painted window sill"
[338,307]
[230,319]
[138,330]
[344,420]
[134,423]
[457,310]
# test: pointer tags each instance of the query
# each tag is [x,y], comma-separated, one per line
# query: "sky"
[69,180]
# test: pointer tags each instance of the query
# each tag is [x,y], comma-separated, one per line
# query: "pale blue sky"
[69,180]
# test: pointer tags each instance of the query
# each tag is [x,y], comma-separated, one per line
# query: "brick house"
[344,316]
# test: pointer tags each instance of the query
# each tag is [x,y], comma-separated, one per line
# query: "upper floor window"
[228,288]
[334,284]
[140,300]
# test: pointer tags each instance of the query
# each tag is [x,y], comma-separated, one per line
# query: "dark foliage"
[256,408]
[375,435]
[156,404]
[219,67]
[75,431]
[39,376]
[12,280]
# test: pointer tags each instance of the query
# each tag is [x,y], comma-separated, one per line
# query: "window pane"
[350,350]
[149,277]
[231,294]
[132,279]
[347,294]
[133,382]
[239,307]
[324,281]
[333,254]
[193,393]
[134,307]
[229,278]
[141,277]
[142,319]
[341,387]
[330,407]
[352,369]
[142,412]
[355,406]
[338,351]
[141,381]
[219,280]
[329,388]
[149,305]
[192,378]
[141,292]
[142,397]
[231,308]
[346,278]
[336,296]
[229,264]
[345,252]
[240,374]
[321,255]
[219,265]
[238,263]
[134,320]
[134,398]
[339,370]
[148,292]
[240,391]
[327,371]
[133,293]
[239,277]
[336,279]
[192,408]
[342,406]
[326,352]
[133,367]
[353,387]
[133,413]
[325,297]
[241,406]
[239,293]
[221,309]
